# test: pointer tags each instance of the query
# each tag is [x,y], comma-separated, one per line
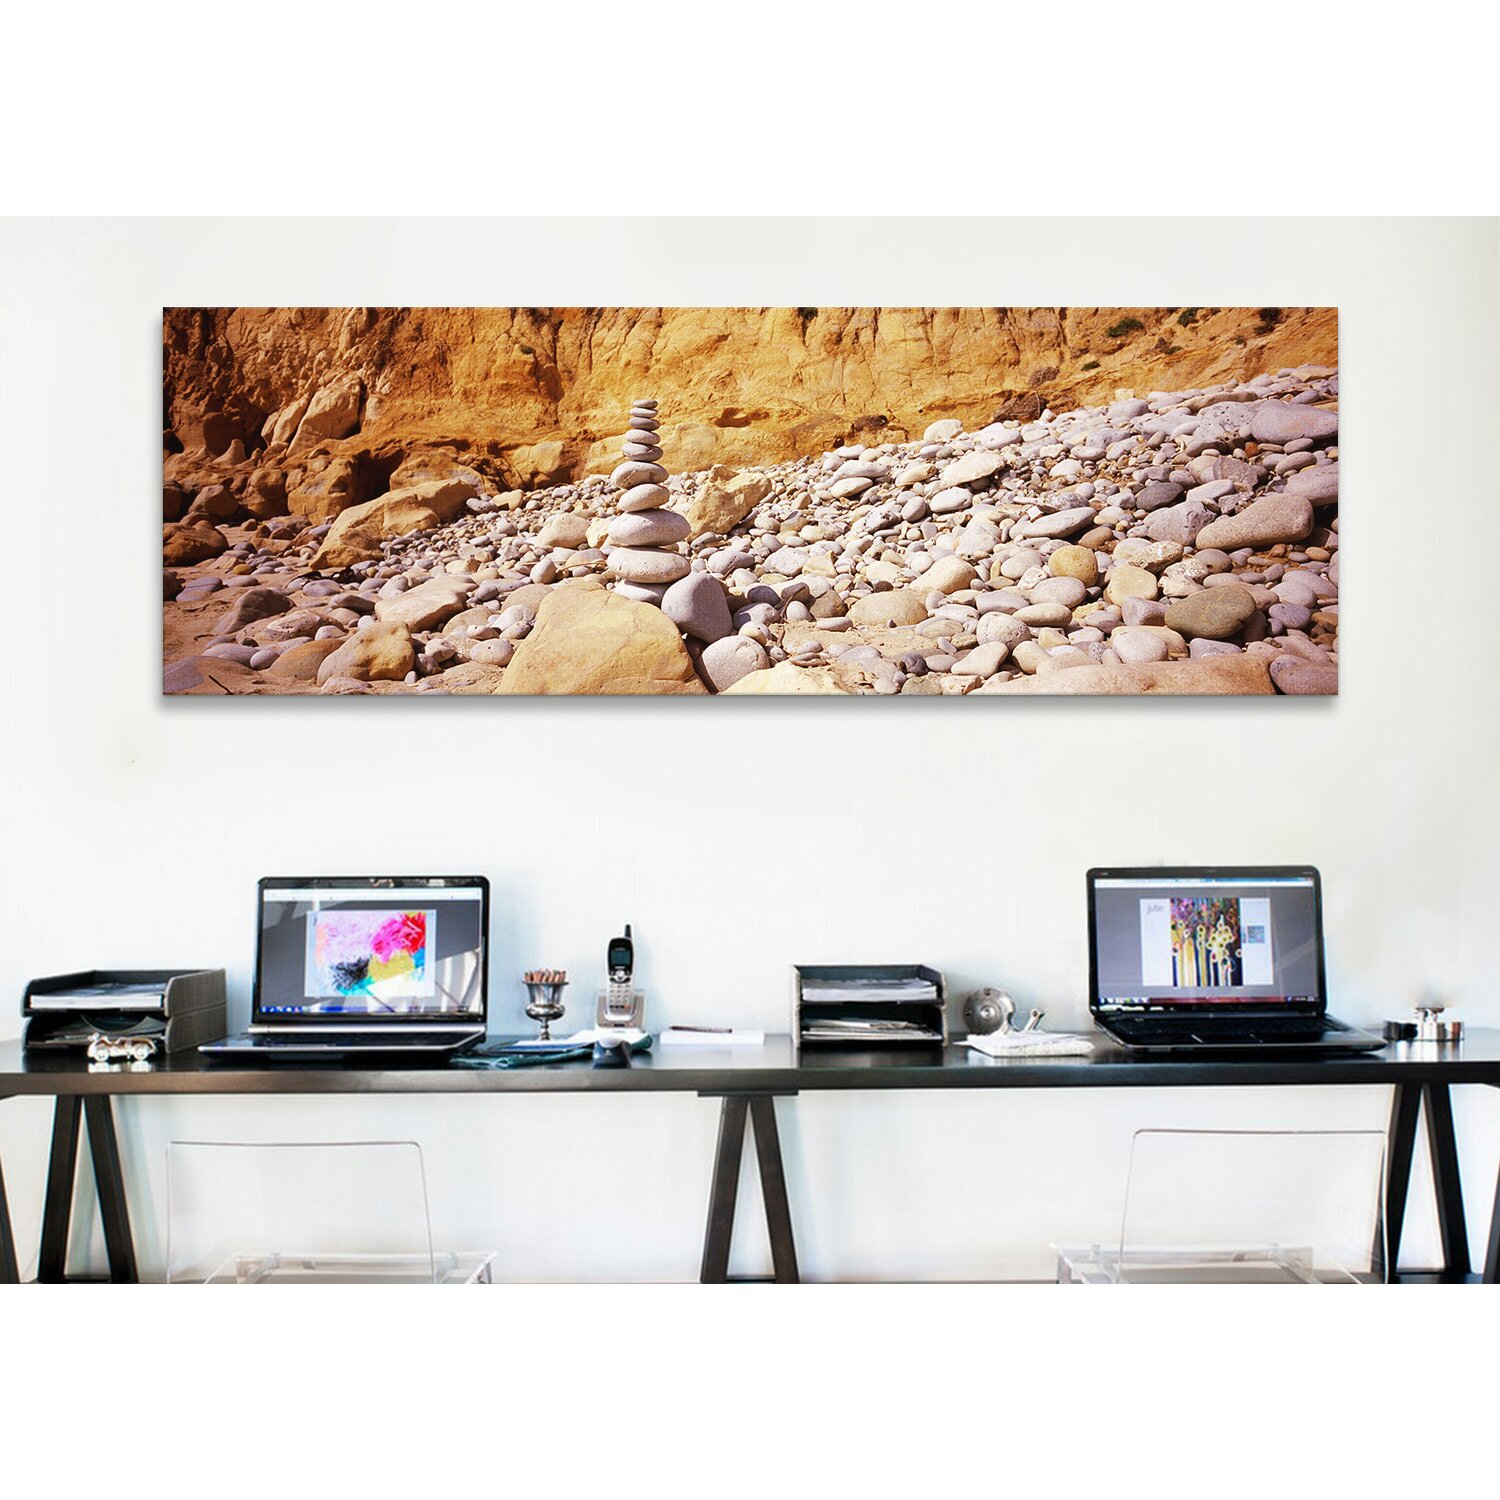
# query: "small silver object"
[988,1010]
[1034,1020]
[1425,1025]
[104,1049]
[1432,1028]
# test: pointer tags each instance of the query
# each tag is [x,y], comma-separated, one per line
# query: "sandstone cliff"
[529,396]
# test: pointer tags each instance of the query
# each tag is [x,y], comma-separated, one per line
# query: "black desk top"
[773,1068]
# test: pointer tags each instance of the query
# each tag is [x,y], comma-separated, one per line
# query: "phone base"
[620,1005]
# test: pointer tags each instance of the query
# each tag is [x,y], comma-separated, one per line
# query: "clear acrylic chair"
[1273,1206]
[305,1211]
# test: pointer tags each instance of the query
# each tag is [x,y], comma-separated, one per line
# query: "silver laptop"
[350,966]
[1212,959]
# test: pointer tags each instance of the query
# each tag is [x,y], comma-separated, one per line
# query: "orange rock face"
[530,396]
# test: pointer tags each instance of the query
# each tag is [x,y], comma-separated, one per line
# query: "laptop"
[354,966]
[1213,960]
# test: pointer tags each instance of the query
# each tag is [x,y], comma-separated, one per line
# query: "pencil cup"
[546,1004]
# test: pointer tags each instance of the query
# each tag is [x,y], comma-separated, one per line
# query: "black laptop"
[359,966]
[1221,959]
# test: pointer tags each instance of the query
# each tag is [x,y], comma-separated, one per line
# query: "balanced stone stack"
[644,538]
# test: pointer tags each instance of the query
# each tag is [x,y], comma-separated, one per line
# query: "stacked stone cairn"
[644,539]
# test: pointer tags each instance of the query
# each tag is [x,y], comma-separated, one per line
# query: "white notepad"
[684,1036]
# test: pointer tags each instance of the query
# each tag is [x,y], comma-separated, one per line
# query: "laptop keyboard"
[1271,1028]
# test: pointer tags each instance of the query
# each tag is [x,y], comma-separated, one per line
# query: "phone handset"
[620,1003]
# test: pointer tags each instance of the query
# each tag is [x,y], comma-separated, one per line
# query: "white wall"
[952,833]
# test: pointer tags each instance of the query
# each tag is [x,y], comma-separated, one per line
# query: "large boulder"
[382,652]
[1262,523]
[214,502]
[891,608]
[427,606]
[1157,493]
[1059,523]
[1287,421]
[1209,675]
[733,657]
[1179,523]
[1212,614]
[327,493]
[290,625]
[973,467]
[540,464]
[281,426]
[1129,582]
[194,541]
[250,605]
[333,413]
[425,468]
[265,493]
[698,607]
[448,497]
[947,575]
[590,640]
[1320,484]
[786,678]
[725,499]
[1152,556]
[357,533]
[1069,561]
[174,501]
[1304,678]
[301,663]
[565,529]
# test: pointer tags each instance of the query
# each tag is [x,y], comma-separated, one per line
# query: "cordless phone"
[620,1003]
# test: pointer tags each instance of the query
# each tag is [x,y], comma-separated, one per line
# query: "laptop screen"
[372,949]
[1168,939]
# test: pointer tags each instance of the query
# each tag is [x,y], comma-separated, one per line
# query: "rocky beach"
[1155,541]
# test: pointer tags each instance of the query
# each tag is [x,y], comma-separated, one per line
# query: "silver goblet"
[545,1005]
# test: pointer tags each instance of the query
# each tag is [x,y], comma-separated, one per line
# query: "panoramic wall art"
[729,501]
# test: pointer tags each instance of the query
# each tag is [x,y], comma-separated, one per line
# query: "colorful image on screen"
[370,955]
[1206,941]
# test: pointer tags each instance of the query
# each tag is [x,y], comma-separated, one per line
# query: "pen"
[718,1030]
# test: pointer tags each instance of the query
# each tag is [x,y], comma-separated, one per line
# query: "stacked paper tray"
[868,1005]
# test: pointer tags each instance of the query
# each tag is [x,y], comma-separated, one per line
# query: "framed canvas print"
[969,502]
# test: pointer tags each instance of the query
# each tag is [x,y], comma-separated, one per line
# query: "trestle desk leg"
[773,1187]
[10,1270]
[1492,1254]
[1450,1198]
[57,1207]
[1401,1140]
[109,1182]
[724,1195]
